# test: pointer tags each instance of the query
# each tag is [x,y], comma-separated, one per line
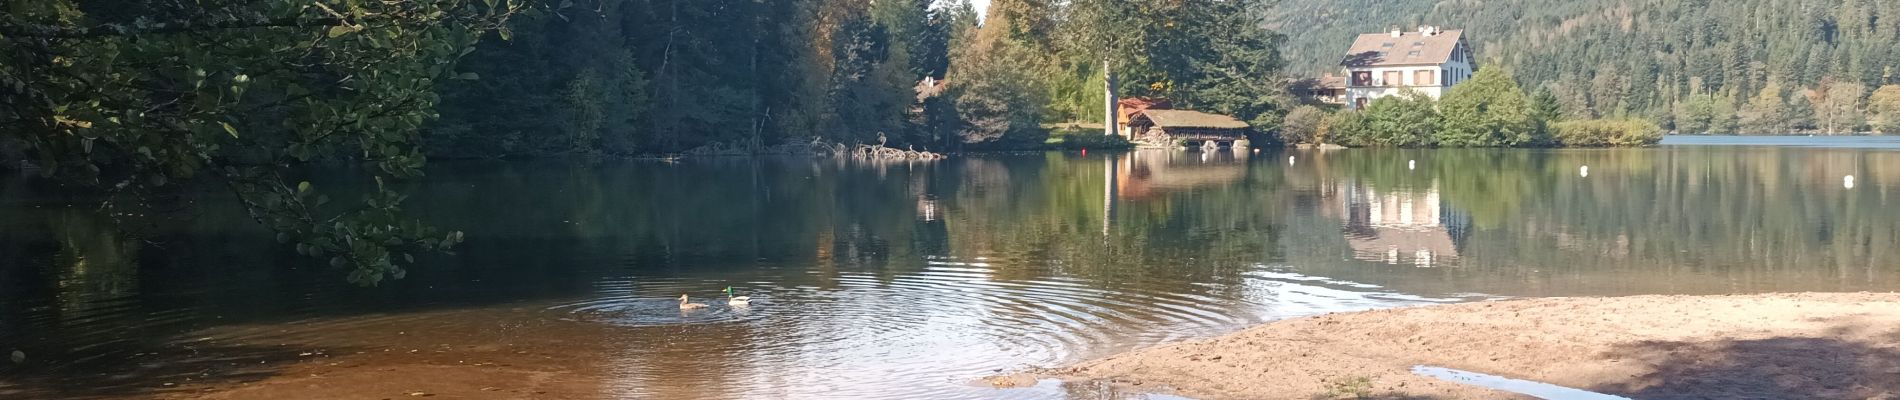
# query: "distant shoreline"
[1804,345]
[1816,141]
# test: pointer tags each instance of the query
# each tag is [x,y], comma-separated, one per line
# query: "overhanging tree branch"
[116,30]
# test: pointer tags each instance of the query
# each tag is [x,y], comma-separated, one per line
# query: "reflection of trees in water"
[74,279]
[1643,221]
[1656,220]
[1050,224]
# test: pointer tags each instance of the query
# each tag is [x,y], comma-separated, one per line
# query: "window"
[1359,103]
[1425,78]
[1362,78]
[1413,53]
[1388,44]
[1393,78]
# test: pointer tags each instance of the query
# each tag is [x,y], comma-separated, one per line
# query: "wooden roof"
[1126,108]
[1192,119]
[1332,82]
[1410,48]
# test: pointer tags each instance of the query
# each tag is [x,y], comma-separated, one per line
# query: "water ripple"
[926,332]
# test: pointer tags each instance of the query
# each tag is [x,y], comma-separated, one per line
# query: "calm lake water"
[912,281]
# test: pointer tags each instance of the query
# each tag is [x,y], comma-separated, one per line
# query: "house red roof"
[1128,107]
[1408,48]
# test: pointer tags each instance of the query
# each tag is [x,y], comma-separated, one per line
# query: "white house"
[1386,64]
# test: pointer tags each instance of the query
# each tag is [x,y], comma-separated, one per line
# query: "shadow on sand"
[1855,360]
[152,371]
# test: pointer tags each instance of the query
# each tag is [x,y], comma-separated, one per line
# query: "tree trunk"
[1109,119]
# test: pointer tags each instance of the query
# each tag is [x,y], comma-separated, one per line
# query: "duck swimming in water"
[689,306]
[736,301]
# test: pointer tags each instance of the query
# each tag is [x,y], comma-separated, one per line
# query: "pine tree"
[1696,115]
[1545,111]
[1722,117]
[1800,112]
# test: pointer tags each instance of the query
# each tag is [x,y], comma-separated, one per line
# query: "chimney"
[1396,32]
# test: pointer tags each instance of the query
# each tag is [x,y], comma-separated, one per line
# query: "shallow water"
[912,281]
[1528,388]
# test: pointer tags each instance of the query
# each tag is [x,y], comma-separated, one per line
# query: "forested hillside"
[1696,65]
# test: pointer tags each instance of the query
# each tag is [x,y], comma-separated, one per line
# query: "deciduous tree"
[1489,110]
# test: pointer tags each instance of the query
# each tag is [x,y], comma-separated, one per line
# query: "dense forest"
[646,76]
[1751,66]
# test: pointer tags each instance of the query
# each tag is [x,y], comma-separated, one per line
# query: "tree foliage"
[1643,58]
[1303,125]
[1487,111]
[1884,106]
[128,97]
[1601,132]
[1407,120]
[1766,113]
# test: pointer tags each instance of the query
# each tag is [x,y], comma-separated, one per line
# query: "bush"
[1607,132]
[1302,125]
[1406,120]
[1488,111]
[1346,128]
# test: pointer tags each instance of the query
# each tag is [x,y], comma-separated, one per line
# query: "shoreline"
[1785,345]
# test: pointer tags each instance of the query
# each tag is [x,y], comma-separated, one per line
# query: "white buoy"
[1413,164]
[1848,182]
[1289,160]
[1584,172]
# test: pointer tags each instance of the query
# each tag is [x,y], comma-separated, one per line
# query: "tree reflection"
[1673,220]
[1100,242]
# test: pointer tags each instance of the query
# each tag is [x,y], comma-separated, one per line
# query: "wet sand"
[1809,345]
[1824,346]
[457,354]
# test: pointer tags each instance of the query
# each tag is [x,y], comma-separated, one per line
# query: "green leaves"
[343,29]
[147,108]
[1489,110]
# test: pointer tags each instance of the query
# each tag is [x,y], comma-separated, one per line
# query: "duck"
[689,306]
[736,301]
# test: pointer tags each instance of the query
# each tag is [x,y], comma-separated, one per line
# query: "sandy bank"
[1827,346]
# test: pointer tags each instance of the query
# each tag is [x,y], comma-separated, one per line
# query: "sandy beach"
[1771,346]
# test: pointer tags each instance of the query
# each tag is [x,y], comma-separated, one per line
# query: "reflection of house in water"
[1147,174]
[1397,227]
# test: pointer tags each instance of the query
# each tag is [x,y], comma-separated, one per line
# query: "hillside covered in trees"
[1751,66]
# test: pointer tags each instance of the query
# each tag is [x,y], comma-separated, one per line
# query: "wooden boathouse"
[1174,128]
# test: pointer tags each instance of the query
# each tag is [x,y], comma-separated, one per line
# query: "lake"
[913,280]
